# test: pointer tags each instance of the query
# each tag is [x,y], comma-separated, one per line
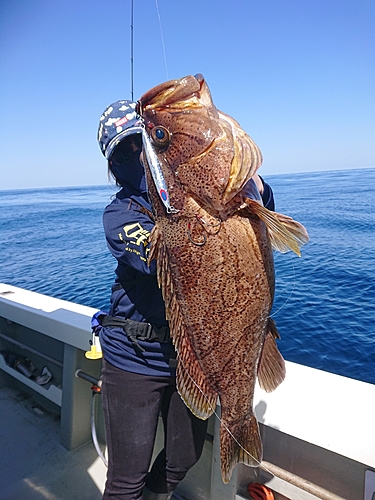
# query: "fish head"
[207,151]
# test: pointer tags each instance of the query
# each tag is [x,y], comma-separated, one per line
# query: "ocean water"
[52,242]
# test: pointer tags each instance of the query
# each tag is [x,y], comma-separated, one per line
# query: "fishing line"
[291,293]
[162,39]
[260,464]
[223,424]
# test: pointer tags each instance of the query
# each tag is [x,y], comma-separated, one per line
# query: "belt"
[138,330]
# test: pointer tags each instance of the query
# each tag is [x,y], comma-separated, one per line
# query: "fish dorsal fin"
[192,384]
[271,367]
[285,233]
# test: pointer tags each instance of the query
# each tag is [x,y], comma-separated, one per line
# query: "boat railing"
[52,333]
[317,428]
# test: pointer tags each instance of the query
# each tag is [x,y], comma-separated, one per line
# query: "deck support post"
[75,428]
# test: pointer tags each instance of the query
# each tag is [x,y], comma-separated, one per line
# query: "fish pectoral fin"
[285,233]
[271,367]
[239,444]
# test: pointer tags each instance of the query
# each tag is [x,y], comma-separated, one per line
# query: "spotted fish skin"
[215,261]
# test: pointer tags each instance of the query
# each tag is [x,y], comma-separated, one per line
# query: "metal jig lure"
[156,172]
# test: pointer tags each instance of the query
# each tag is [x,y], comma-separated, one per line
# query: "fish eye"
[160,136]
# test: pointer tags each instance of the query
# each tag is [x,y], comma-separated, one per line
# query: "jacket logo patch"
[134,233]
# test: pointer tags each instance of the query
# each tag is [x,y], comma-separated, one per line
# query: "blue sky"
[298,75]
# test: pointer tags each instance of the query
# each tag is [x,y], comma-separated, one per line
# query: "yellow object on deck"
[96,350]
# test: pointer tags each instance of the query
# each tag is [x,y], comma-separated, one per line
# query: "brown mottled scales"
[215,263]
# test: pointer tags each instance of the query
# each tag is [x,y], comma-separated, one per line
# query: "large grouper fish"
[214,248]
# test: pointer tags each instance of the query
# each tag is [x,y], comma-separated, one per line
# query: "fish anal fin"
[242,444]
[271,367]
[285,233]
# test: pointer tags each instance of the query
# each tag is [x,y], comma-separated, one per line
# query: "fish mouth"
[200,79]
[171,92]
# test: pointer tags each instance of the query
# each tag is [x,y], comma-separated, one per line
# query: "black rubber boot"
[150,495]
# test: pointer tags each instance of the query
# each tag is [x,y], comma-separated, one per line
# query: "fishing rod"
[132,50]
[132,45]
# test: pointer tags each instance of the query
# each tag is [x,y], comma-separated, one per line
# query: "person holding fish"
[139,363]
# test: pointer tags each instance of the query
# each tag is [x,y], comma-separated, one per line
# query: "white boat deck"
[33,463]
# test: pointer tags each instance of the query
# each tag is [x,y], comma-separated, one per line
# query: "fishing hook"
[209,224]
[197,243]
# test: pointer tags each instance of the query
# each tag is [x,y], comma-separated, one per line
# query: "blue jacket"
[127,224]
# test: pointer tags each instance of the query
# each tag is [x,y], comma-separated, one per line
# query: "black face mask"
[131,173]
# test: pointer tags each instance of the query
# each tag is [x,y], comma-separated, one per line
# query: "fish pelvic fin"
[239,444]
[271,367]
[285,233]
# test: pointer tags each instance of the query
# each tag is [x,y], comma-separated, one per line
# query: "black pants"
[132,404]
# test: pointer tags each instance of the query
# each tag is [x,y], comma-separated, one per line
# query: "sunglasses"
[123,152]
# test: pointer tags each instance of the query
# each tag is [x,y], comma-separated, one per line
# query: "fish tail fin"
[241,443]
[285,233]
[271,367]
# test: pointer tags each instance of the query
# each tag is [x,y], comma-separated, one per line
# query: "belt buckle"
[162,333]
[148,331]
